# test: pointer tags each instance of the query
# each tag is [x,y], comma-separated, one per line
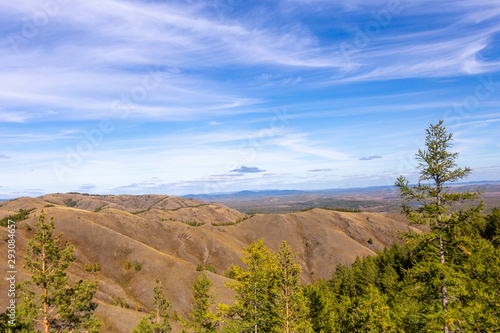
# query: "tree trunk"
[287,305]
[287,318]
[444,290]
[45,318]
[45,305]
[158,312]
[255,304]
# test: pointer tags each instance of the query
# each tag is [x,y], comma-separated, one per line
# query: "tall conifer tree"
[438,272]
[290,303]
[59,308]
[255,289]
[202,319]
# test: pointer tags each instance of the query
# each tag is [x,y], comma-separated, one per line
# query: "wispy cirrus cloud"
[132,38]
[194,93]
[451,48]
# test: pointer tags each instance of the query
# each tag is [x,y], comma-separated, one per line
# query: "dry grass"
[172,250]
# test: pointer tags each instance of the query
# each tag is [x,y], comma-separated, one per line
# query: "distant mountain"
[374,199]
[281,193]
[246,194]
[491,182]
[329,192]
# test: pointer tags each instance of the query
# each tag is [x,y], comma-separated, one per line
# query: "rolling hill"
[170,236]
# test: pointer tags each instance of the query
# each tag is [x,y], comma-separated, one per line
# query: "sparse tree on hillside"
[438,272]
[255,289]
[59,307]
[158,320]
[202,319]
[290,303]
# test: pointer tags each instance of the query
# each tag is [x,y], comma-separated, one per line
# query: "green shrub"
[120,302]
[20,216]
[127,265]
[230,273]
[175,316]
[70,202]
[244,218]
[235,222]
[92,267]
[137,266]
[193,223]
[98,209]
[200,268]
[211,268]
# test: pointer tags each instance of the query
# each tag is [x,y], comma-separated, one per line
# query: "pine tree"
[366,274]
[342,316]
[372,313]
[59,307]
[342,282]
[320,311]
[491,230]
[481,299]
[290,303]
[438,272]
[202,319]
[157,321]
[255,289]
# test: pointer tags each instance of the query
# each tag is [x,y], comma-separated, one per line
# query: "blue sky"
[179,97]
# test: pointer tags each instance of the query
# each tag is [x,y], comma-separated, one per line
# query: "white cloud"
[300,143]
[221,76]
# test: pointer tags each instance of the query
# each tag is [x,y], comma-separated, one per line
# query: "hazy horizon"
[257,191]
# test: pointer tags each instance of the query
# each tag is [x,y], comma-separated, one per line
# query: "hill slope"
[157,232]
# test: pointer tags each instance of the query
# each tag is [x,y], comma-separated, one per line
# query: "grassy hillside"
[170,236]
